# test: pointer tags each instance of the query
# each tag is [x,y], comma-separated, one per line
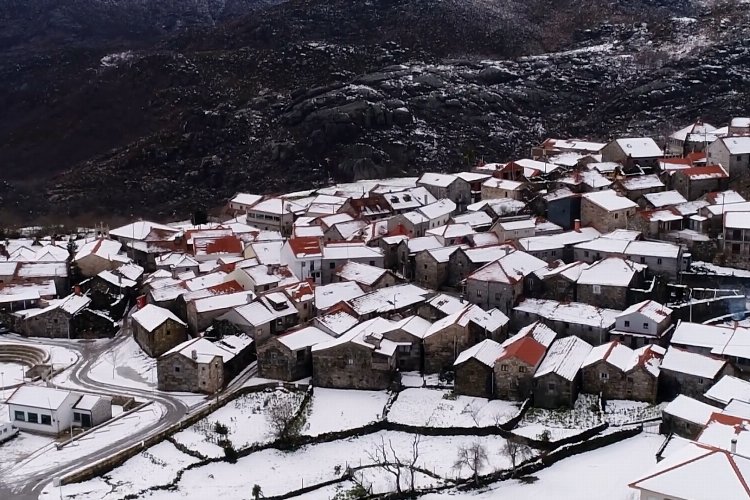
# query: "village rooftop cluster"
[585,268]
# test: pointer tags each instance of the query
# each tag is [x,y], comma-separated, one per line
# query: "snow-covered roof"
[649,308]
[700,335]
[438,209]
[692,410]
[131,271]
[533,167]
[337,322]
[339,251]
[106,249]
[246,199]
[473,219]
[87,402]
[737,145]
[729,388]
[438,180]
[694,128]
[639,182]
[423,243]
[699,472]
[517,225]
[304,337]
[331,294]
[591,178]
[508,185]
[569,312]
[554,241]
[151,317]
[574,145]
[604,166]
[609,200]
[691,363]
[665,198]
[737,220]
[139,230]
[538,331]
[116,280]
[564,357]
[612,271]
[389,299]
[740,122]
[360,273]
[471,176]
[36,396]
[491,321]
[276,206]
[72,305]
[486,352]
[614,353]
[639,147]
[359,334]
[443,254]
[415,325]
[511,268]
[205,350]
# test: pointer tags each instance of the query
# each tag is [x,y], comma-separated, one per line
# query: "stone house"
[407,254]
[345,231]
[452,233]
[302,296]
[157,330]
[196,365]
[642,324]
[336,255]
[686,416]
[455,333]
[368,277]
[690,373]
[431,266]
[607,282]
[692,183]
[99,255]
[557,381]
[554,247]
[474,369]
[253,319]
[495,188]
[559,283]
[242,202]
[389,245]
[465,261]
[501,283]
[408,334]
[56,320]
[514,228]
[273,214]
[515,367]
[447,186]
[412,224]
[606,210]
[289,357]
[202,311]
[563,207]
[732,153]
[630,151]
[617,372]
[736,241]
[661,257]
[567,318]
[359,359]
[636,186]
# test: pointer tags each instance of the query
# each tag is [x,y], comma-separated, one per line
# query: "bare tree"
[280,415]
[473,457]
[516,453]
[385,457]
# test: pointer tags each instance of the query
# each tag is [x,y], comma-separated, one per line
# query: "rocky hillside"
[297,94]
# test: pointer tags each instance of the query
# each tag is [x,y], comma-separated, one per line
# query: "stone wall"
[613,297]
[474,378]
[350,366]
[516,381]
[166,336]
[637,384]
[180,373]
[552,391]
[276,361]
[442,348]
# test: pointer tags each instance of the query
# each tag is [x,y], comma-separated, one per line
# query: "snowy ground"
[126,366]
[416,379]
[441,408]
[337,409]
[605,474]
[155,466]
[244,418]
[12,373]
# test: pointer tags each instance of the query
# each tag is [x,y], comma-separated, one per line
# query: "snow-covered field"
[244,418]
[600,474]
[155,466]
[126,366]
[441,408]
[278,472]
[337,409]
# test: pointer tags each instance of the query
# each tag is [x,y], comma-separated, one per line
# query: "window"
[597,289]
[590,328]
[203,368]
[76,416]
[332,265]
[503,368]
[425,266]
[645,326]
[177,369]
[350,361]
[372,262]
[658,261]
[479,293]
[627,323]
[273,356]
[300,355]
[304,264]
[169,333]
[735,248]
[630,380]
[404,349]
[604,375]
[526,313]
[700,381]
[497,296]
[19,415]
[616,216]
[643,260]
[586,253]
[567,325]
[46,419]
[521,369]
[551,386]
[32,418]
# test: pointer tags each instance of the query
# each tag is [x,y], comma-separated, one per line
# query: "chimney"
[194,354]
[77,290]
[577,225]
[733,447]
[174,272]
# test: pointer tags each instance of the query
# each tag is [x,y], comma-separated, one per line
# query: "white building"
[42,409]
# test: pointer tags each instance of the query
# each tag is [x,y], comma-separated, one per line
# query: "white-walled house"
[732,153]
[42,409]
[304,257]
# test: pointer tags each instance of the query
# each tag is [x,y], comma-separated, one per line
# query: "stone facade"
[494,294]
[408,358]
[428,272]
[604,220]
[443,347]
[352,366]
[166,336]
[553,391]
[177,372]
[513,379]
[54,324]
[672,383]
[613,297]
[277,361]
[474,378]
[558,287]
[603,378]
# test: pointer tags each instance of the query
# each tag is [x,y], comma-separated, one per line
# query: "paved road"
[89,353]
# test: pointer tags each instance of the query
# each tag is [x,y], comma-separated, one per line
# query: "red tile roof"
[306,245]
[526,349]
[716,171]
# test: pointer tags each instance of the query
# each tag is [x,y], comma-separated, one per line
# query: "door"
[85,420]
